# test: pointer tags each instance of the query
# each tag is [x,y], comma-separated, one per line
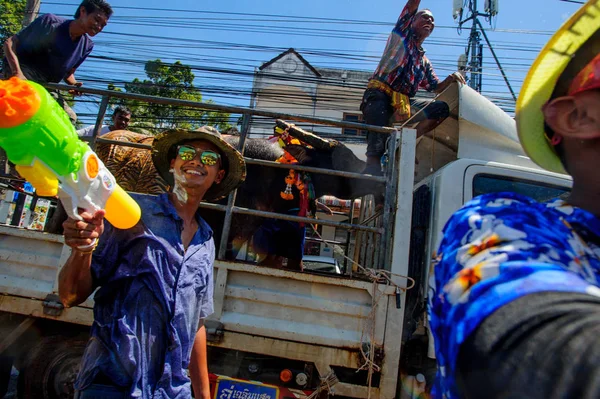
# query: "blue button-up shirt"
[498,248]
[152,296]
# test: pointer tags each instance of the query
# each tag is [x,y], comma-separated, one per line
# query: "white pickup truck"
[290,329]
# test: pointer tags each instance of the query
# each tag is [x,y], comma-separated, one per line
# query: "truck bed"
[301,316]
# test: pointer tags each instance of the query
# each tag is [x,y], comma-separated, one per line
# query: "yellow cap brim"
[541,81]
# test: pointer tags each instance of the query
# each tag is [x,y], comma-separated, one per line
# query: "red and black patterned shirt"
[404,66]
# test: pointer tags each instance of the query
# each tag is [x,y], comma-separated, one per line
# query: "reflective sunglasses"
[187,153]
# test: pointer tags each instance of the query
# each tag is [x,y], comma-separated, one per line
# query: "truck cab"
[476,151]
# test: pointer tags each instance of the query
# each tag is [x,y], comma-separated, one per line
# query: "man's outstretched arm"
[412,6]
[407,15]
[199,365]
[10,51]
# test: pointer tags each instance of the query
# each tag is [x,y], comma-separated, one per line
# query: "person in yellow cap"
[515,291]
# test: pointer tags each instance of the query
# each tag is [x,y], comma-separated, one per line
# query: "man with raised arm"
[515,294]
[155,280]
[403,69]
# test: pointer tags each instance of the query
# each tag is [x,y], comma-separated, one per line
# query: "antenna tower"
[472,61]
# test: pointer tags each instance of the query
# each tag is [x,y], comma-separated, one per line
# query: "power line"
[230,78]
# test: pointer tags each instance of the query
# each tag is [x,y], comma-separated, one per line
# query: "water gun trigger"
[72,207]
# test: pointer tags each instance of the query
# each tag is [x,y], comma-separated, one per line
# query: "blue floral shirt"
[152,296]
[500,247]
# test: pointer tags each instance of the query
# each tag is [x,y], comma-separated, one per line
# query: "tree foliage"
[11,17]
[170,81]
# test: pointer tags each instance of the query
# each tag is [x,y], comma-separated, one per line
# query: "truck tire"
[50,368]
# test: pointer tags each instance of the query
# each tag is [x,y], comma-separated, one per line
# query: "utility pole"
[32,9]
[475,47]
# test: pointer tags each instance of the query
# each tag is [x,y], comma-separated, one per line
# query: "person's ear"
[82,12]
[220,176]
[572,117]
[171,166]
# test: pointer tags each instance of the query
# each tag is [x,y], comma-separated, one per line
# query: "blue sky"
[206,38]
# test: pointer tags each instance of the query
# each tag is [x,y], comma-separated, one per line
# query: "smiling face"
[423,24]
[121,120]
[193,173]
[93,22]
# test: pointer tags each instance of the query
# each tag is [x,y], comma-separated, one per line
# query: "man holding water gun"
[155,279]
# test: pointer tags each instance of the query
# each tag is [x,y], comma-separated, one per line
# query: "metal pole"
[480,61]
[99,120]
[224,108]
[497,61]
[32,9]
[348,270]
[291,218]
[392,173]
[473,41]
[232,195]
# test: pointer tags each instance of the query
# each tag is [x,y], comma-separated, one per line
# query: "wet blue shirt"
[46,51]
[151,298]
[498,248]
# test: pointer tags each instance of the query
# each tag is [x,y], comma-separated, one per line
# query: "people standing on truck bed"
[121,118]
[515,301]
[155,280]
[51,48]
[403,69]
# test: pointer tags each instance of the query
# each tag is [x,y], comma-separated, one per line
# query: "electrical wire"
[231,80]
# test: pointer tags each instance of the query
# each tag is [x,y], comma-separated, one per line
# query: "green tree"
[170,81]
[11,17]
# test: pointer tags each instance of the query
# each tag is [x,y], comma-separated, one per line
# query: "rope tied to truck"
[326,385]
[377,276]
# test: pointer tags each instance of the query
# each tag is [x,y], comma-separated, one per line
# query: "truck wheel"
[50,368]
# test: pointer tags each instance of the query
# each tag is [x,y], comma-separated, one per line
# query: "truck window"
[542,192]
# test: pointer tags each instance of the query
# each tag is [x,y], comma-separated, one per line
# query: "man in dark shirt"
[51,48]
[515,295]
[403,69]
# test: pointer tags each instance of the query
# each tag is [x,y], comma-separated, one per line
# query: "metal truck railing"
[390,179]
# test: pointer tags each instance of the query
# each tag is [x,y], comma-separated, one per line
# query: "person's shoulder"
[51,19]
[501,213]
[147,201]
[88,44]
[87,131]
[501,203]
[206,229]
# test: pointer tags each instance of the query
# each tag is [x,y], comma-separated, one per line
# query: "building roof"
[290,51]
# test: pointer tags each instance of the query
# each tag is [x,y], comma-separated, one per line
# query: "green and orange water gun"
[40,140]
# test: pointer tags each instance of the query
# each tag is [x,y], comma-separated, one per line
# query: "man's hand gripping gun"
[39,139]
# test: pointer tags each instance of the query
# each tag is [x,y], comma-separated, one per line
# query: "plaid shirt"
[404,66]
